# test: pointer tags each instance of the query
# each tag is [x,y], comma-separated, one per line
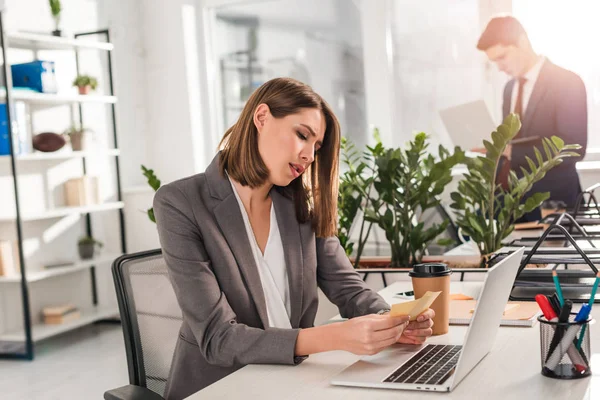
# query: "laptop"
[440,367]
[468,124]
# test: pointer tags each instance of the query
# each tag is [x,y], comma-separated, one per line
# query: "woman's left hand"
[419,330]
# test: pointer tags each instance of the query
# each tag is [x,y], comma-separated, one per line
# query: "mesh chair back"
[150,315]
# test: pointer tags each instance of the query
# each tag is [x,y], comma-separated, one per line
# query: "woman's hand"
[419,330]
[369,334]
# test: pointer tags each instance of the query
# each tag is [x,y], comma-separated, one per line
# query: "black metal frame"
[583,258]
[28,353]
[131,332]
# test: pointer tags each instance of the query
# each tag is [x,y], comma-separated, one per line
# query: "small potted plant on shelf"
[87,246]
[55,9]
[487,210]
[85,83]
[76,135]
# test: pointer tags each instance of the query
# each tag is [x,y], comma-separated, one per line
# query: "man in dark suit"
[550,101]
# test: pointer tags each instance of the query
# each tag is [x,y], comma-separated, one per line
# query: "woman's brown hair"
[315,195]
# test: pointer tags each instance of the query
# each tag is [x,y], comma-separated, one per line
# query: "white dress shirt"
[531,76]
[271,269]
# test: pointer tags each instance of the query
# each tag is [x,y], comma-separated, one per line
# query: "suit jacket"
[557,107]
[216,281]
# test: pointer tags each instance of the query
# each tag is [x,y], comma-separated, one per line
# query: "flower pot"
[373,262]
[86,251]
[76,141]
[84,89]
[57,32]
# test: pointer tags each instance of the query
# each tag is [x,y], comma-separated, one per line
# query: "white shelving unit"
[37,279]
[43,331]
[36,276]
[58,99]
[63,155]
[32,41]
[65,211]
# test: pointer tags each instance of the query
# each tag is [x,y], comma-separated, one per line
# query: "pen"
[567,339]
[590,303]
[558,289]
[555,303]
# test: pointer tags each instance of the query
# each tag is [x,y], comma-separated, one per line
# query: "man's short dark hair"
[501,30]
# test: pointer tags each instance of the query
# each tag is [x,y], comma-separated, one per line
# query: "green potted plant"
[485,210]
[408,182]
[154,183]
[55,9]
[76,134]
[85,83]
[87,246]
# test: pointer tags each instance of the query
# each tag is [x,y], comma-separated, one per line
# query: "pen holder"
[561,356]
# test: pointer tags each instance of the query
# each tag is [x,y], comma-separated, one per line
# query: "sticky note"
[414,308]
[507,309]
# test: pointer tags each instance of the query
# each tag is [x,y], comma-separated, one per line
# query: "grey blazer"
[218,287]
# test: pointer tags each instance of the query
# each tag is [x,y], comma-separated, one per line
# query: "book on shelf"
[9,258]
[82,191]
[60,314]
[516,313]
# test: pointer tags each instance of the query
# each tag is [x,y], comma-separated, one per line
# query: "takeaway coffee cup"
[434,277]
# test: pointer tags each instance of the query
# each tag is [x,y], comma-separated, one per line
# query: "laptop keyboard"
[432,365]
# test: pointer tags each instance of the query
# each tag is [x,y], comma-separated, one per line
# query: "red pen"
[551,316]
[546,308]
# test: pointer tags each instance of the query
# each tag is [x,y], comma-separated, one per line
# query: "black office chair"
[151,319]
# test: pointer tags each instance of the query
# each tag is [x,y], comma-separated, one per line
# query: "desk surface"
[510,371]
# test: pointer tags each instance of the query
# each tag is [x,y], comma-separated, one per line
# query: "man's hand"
[418,331]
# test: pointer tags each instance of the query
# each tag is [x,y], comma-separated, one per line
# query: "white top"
[271,268]
[531,76]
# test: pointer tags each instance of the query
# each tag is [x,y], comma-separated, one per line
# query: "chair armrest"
[131,392]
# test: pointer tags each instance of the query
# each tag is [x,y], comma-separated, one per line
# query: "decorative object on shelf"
[485,210]
[154,183]
[4,139]
[21,138]
[56,9]
[60,314]
[9,261]
[36,75]
[76,134]
[48,142]
[82,191]
[407,183]
[59,264]
[87,247]
[85,83]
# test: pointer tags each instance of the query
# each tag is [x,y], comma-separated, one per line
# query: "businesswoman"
[248,241]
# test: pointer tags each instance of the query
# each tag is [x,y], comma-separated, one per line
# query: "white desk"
[510,371]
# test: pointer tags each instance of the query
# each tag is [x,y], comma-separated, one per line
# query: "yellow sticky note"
[415,307]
